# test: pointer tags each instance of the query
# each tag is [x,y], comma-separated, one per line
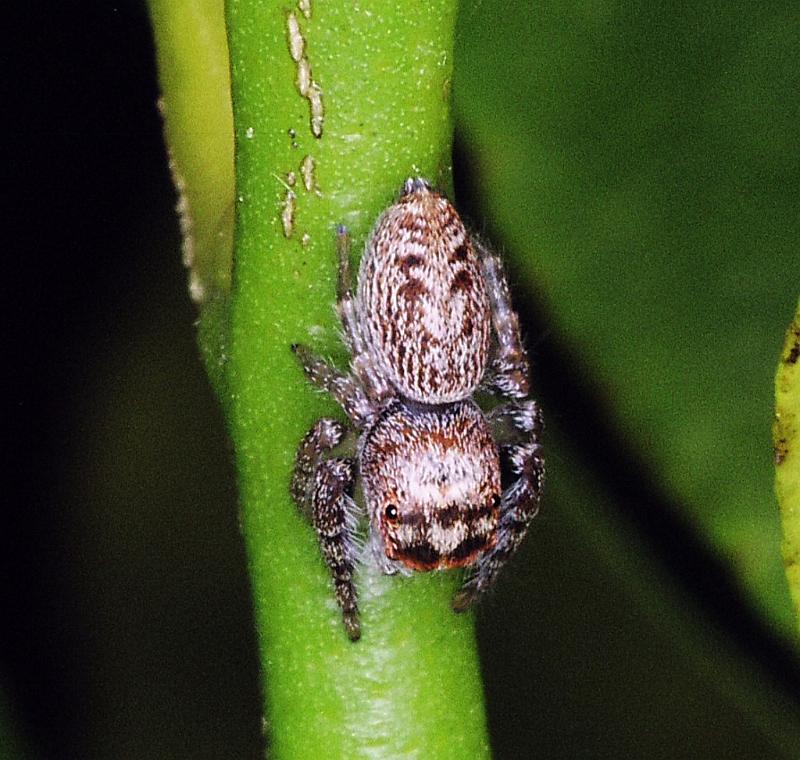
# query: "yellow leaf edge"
[786,443]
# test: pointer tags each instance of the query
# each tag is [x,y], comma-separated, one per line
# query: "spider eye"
[495,501]
[390,512]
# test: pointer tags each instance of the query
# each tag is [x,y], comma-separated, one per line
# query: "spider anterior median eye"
[390,512]
[495,501]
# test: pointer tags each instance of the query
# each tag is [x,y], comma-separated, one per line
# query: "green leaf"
[637,164]
[786,437]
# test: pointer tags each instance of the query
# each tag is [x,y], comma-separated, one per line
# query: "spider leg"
[333,515]
[345,389]
[325,435]
[321,488]
[516,427]
[374,383]
[520,501]
[514,421]
[508,373]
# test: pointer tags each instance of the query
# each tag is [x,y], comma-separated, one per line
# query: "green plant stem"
[192,52]
[411,686]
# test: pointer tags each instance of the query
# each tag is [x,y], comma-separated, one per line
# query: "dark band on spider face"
[424,557]
[421,551]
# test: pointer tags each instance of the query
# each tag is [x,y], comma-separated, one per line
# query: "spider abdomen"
[423,300]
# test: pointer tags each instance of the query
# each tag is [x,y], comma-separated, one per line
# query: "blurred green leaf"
[591,649]
[12,746]
[639,162]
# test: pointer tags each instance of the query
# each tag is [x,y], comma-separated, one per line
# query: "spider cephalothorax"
[431,477]
[431,323]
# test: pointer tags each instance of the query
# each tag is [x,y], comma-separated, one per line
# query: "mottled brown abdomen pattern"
[424,308]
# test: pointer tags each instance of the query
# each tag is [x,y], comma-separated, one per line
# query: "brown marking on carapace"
[468,550]
[442,439]
[422,557]
[453,513]
[468,327]
[449,515]
[379,455]
[469,431]
[413,517]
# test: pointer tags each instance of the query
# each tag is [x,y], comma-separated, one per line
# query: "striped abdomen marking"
[423,300]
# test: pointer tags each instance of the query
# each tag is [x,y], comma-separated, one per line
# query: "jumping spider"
[431,324]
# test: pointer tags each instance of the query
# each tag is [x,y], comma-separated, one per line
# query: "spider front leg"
[508,373]
[377,388]
[321,488]
[345,389]
[520,501]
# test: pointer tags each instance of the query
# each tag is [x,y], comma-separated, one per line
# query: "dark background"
[126,626]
